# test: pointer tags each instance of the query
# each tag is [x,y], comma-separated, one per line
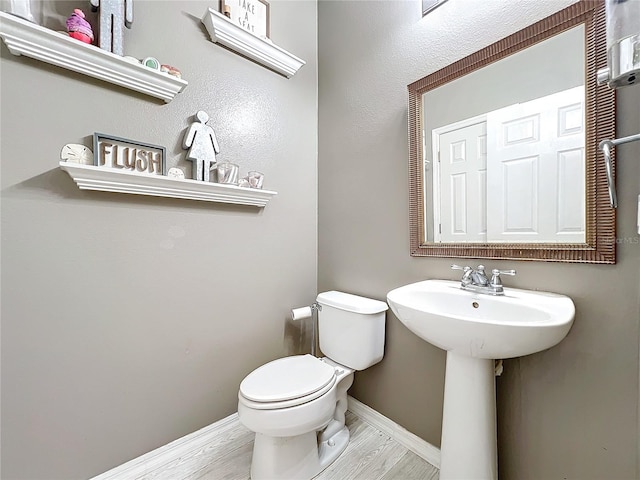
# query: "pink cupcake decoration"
[78,27]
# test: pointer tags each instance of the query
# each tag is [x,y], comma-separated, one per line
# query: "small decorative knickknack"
[202,143]
[76,153]
[79,28]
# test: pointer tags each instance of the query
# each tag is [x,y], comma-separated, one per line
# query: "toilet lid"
[287,378]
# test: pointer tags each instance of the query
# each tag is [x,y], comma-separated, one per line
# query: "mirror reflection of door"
[460,181]
[523,163]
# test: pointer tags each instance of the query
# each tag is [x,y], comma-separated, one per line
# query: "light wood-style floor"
[370,455]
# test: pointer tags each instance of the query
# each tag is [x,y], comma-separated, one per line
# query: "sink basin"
[520,322]
[475,329]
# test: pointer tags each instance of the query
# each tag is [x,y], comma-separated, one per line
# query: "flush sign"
[120,153]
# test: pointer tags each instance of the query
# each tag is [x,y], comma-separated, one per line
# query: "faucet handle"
[467,272]
[495,278]
[460,267]
[495,271]
[466,276]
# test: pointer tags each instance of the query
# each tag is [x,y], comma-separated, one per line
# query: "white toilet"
[296,405]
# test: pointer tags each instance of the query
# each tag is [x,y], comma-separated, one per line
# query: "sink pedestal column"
[469,439]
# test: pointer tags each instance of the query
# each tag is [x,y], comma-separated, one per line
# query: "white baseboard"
[165,454]
[404,437]
[201,438]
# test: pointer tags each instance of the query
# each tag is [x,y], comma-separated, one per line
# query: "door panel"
[462,175]
[536,197]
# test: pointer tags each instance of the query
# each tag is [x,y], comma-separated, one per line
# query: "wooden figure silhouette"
[201,141]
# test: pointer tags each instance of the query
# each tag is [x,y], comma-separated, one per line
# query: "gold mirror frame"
[600,245]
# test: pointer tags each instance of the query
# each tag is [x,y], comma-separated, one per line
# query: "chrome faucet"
[477,281]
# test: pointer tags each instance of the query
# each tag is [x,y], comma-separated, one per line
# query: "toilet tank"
[351,329]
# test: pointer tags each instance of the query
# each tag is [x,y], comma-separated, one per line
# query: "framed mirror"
[503,147]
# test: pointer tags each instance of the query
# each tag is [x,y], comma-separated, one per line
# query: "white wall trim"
[404,437]
[160,456]
[201,438]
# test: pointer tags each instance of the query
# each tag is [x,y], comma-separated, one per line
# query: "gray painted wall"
[569,412]
[129,321]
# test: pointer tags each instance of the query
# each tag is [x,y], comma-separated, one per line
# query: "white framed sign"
[116,152]
[250,15]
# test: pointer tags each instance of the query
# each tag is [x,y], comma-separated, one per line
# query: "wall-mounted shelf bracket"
[606,145]
[90,177]
[25,38]
[226,33]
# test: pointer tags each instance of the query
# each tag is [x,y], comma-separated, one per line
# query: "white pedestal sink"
[476,329]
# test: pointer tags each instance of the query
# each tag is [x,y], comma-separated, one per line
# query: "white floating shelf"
[26,38]
[90,177]
[225,32]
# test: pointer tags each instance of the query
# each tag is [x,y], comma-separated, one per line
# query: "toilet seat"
[287,382]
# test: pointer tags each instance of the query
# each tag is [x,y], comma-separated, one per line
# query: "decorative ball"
[151,62]
[175,172]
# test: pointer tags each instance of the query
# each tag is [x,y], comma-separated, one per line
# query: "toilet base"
[331,449]
[295,458]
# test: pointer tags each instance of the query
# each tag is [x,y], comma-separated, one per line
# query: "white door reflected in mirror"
[511,143]
[516,174]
